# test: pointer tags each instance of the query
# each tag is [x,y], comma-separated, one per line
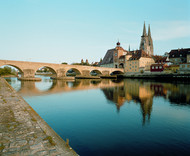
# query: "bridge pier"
[29,75]
[85,74]
[105,73]
[61,75]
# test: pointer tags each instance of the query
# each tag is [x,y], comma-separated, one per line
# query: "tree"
[7,71]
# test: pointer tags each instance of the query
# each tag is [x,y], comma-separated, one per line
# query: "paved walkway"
[23,131]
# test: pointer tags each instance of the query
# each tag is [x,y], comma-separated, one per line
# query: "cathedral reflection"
[142,93]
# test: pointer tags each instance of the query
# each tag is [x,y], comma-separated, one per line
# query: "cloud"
[168,30]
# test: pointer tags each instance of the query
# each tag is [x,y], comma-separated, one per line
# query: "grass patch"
[34,120]
[2,146]
[49,138]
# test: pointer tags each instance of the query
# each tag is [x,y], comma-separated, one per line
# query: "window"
[183,66]
[152,67]
[115,54]
[160,67]
[156,67]
[188,66]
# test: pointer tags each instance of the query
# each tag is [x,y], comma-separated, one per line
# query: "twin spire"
[144,31]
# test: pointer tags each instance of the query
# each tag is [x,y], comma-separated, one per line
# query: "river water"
[114,117]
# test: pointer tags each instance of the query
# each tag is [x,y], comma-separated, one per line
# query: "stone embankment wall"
[23,131]
[159,76]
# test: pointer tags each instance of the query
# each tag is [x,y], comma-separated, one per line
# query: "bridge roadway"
[28,69]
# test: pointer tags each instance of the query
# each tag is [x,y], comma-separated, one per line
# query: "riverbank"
[159,76]
[23,131]
[8,76]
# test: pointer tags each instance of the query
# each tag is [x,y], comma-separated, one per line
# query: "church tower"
[146,41]
[150,41]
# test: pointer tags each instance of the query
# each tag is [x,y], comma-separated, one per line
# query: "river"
[114,117]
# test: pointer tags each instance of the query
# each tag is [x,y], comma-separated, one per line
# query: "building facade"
[157,67]
[188,58]
[184,68]
[139,61]
[178,56]
[114,58]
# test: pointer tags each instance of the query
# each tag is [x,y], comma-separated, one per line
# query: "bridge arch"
[116,72]
[73,72]
[51,72]
[95,72]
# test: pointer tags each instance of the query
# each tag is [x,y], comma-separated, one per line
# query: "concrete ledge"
[108,76]
[87,77]
[63,78]
[29,79]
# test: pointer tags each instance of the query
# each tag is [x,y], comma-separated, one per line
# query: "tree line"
[7,71]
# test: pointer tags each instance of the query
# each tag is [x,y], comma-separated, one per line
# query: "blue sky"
[58,31]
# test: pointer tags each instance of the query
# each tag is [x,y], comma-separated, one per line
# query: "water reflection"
[142,93]
[108,119]
[118,92]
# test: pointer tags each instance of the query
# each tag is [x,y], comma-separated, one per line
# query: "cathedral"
[131,61]
[146,42]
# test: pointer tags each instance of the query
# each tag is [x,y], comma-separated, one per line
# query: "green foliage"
[49,138]
[7,71]
[142,71]
[84,64]
[64,63]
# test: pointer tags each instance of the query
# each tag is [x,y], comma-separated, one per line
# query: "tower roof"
[118,43]
[149,33]
[144,30]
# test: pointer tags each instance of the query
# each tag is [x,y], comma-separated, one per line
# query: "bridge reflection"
[29,88]
[117,92]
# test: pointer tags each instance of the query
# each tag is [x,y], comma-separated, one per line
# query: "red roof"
[159,59]
[138,54]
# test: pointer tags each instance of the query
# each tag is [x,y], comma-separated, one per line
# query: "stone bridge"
[28,69]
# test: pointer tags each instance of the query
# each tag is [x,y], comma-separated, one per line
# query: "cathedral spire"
[149,33]
[144,30]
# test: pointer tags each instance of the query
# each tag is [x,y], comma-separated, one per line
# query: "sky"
[57,31]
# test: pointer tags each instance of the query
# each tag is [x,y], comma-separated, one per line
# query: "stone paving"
[23,131]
